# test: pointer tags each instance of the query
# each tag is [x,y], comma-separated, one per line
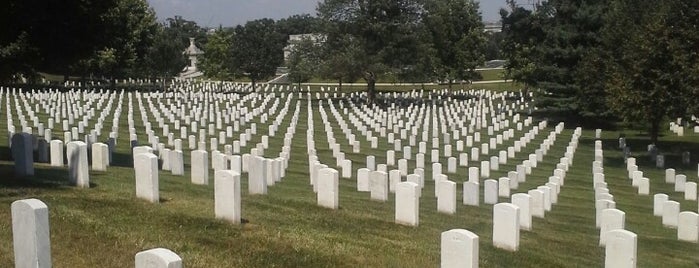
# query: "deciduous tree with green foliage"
[298,24]
[257,49]
[341,60]
[652,60]
[304,61]
[216,62]
[164,58]
[107,38]
[52,36]
[458,37]
[384,30]
[131,27]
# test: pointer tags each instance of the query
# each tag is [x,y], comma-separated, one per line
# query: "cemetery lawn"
[105,225]
[492,74]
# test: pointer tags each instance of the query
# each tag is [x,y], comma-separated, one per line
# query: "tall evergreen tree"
[522,33]
[571,29]
[553,49]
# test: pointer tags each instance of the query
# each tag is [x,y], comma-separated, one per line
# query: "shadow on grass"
[671,149]
[43,178]
[122,160]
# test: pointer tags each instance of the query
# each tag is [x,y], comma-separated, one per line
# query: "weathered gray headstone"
[78,168]
[42,151]
[660,161]
[22,153]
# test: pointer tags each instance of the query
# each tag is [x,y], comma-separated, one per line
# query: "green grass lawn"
[494,74]
[105,226]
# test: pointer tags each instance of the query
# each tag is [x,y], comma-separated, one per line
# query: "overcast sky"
[213,13]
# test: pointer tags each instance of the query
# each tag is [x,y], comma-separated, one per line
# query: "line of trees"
[597,61]
[91,39]
[407,40]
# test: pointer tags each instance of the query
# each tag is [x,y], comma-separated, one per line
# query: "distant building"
[296,38]
[492,28]
[192,52]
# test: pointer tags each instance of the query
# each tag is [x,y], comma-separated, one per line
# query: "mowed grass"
[105,226]
[492,74]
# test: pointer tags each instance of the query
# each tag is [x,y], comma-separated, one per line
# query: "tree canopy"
[216,61]
[653,71]
[257,49]
[432,38]
[591,60]
[80,37]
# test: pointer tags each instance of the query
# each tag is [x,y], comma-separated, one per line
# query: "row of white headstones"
[57,105]
[621,244]
[56,149]
[488,165]
[77,152]
[677,127]
[460,247]
[30,217]
[227,177]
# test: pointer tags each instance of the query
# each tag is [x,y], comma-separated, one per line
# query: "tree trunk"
[340,82]
[253,84]
[654,131]
[370,78]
